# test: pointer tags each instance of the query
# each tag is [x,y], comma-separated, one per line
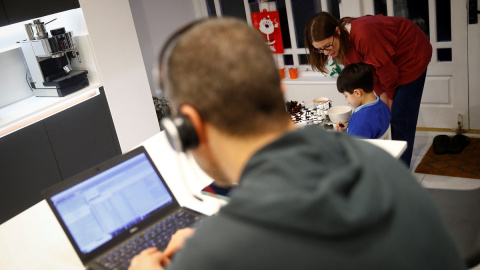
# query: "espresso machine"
[47,58]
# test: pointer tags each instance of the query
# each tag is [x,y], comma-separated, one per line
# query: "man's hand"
[149,259]
[153,259]
[176,243]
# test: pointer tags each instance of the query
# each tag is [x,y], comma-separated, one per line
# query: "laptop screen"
[113,201]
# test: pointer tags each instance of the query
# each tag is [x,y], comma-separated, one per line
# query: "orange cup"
[293,73]
[282,73]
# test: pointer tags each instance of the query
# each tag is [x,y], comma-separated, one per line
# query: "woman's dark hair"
[354,76]
[320,27]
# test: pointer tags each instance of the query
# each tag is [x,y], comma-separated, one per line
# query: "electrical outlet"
[460,123]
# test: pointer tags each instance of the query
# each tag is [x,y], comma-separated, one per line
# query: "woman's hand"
[386,100]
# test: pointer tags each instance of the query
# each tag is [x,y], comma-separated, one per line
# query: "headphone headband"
[179,130]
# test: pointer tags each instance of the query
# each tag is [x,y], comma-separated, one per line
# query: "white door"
[474,67]
[446,93]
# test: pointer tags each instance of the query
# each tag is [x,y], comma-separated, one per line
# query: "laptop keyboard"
[157,236]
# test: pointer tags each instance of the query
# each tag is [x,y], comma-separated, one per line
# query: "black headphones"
[179,130]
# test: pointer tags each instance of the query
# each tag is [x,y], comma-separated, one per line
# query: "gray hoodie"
[323,200]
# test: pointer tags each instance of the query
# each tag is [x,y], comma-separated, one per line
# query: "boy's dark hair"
[353,76]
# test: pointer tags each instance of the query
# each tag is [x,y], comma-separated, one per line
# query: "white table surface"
[34,239]
[394,148]
[30,110]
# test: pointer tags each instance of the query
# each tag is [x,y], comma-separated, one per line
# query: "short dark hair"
[223,68]
[353,76]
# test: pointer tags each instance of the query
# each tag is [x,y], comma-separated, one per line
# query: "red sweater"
[395,47]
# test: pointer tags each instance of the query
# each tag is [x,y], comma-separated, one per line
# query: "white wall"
[121,70]
[154,22]
[13,84]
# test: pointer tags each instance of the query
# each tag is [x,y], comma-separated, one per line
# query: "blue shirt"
[370,120]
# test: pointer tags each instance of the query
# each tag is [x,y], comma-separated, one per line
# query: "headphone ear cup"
[180,133]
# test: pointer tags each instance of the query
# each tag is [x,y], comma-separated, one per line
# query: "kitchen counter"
[33,109]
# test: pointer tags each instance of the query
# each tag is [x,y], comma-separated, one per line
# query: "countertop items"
[33,109]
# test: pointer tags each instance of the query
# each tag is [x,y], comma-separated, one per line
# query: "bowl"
[340,114]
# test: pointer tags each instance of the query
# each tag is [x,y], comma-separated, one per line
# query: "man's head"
[223,69]
[221,77]
[354,82]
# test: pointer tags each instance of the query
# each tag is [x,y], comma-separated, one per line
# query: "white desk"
[394,148]
[34,240]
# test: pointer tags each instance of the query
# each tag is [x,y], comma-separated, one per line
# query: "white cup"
[322,103]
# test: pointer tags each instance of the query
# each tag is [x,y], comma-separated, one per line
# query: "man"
[306,199]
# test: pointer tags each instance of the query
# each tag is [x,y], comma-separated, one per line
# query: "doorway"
[450,74]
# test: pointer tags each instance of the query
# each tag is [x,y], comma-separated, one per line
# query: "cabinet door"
[3,16]
[27,166]
[82,136]
[21,10]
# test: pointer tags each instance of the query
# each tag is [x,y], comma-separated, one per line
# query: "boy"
[371,117]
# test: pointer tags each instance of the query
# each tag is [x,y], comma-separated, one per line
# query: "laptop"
[114,210]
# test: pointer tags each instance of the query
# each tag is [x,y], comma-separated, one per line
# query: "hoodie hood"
[313,181]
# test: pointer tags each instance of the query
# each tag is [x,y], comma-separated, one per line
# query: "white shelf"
[33,109]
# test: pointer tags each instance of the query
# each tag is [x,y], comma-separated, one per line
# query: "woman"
[397,51]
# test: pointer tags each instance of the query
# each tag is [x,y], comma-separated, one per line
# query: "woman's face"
[329,46]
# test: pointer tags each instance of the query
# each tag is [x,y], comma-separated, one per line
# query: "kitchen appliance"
[47,59]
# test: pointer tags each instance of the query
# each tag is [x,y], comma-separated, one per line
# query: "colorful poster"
[268,23]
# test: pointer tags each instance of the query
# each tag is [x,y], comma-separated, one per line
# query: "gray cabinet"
[82,136]
[3,17]
[27,165]
[22,10]
[49,151]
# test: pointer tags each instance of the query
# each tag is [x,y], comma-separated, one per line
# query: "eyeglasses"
[327,48]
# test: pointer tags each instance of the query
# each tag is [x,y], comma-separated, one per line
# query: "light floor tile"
[419,176]
[422,144]
[448,182]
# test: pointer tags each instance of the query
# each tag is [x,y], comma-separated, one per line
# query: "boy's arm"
[341,126]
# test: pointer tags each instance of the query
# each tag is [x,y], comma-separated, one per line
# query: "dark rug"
[464,164]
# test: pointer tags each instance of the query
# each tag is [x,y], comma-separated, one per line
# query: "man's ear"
[197,122]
